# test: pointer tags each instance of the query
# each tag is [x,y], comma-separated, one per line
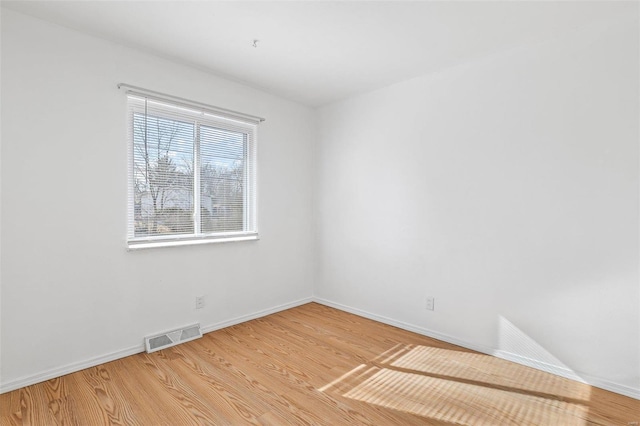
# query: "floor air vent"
[172,338]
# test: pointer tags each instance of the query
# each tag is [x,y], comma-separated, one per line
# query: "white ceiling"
[318,52]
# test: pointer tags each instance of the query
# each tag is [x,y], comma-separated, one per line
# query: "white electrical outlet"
[199,302]
[431,303]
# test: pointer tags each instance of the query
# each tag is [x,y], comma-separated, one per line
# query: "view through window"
[192,174]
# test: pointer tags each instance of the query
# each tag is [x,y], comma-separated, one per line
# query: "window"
[192,176]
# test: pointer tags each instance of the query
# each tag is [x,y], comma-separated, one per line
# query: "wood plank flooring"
[314,365]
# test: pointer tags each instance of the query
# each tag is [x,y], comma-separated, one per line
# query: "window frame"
[200,117]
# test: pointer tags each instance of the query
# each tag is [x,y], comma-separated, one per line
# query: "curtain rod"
[222,111]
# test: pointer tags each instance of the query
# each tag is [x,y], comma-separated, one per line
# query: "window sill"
[134,245]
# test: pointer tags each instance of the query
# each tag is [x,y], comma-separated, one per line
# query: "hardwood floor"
[314,365]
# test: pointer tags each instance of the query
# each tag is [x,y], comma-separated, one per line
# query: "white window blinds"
[192,174]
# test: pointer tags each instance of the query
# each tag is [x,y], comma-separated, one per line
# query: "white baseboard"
[69,368]
[405,326]
[92,362]
[558,370]
[255,315]
[601,383]
[570,374]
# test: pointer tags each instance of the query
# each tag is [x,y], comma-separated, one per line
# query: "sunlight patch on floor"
[463,403]
[464,387]
[490,370]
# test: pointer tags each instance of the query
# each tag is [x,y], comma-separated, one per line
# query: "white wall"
[508,189]
[70,290]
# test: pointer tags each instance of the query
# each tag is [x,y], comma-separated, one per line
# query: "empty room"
[320,213]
